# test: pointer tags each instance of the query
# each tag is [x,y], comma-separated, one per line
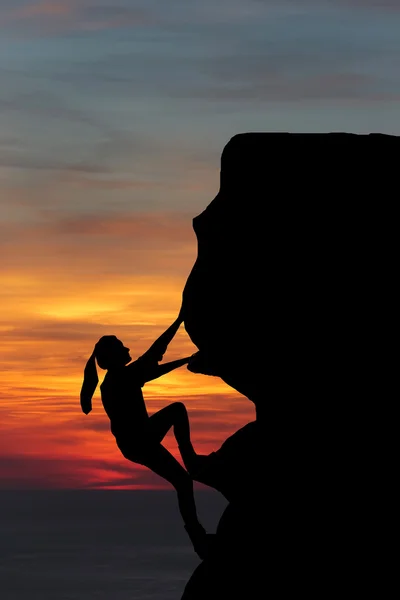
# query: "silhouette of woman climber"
[137,434]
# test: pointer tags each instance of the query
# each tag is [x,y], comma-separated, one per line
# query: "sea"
[98,544]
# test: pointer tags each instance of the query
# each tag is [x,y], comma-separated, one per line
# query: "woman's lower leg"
[187,504]
[182,435]
[194,528]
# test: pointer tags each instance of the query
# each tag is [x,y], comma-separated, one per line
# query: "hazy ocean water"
[97,545]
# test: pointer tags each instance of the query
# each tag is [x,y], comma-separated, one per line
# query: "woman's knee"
[179,408]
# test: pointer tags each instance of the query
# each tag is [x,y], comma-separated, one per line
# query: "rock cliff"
[286,304]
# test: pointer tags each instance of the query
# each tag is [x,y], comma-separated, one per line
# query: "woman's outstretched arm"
[153,372]
[159,347]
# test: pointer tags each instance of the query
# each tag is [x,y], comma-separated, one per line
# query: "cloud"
[380,5]
[56,152]
[47,449]
[248,66]
[45,104]
[332,87]
[44,8]
[310,66]
[41,472]
[57,17]
[65,137]
[96,252]
[112,16]
[63,16]
[15,160]
[308,5]
[165,227]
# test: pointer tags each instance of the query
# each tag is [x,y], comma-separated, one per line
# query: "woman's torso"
[122,398]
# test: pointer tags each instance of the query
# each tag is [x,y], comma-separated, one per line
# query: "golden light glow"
[57,299]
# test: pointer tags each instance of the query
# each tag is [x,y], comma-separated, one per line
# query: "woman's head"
[110,352]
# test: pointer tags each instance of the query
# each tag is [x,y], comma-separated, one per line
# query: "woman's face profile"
[122,351]
[113,352]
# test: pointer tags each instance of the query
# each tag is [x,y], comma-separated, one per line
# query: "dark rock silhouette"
[286,303]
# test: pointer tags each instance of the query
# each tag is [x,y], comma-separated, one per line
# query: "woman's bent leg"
[175,415]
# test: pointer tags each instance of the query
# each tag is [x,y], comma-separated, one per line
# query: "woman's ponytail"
[90,381]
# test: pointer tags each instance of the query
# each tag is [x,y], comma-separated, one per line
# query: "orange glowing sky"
[113,117]
[66,283]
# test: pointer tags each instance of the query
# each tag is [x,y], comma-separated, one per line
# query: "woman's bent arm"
[158,370]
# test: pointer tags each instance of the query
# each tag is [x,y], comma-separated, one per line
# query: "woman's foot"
[200,539]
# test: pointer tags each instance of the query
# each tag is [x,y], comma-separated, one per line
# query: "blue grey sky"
[147,93]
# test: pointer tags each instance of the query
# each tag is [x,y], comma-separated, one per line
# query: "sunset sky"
[113,116]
